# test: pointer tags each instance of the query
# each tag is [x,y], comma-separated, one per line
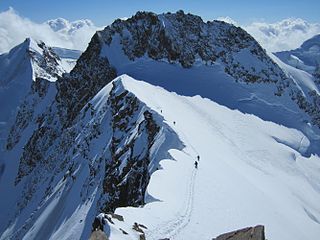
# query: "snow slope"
[250,172]
[304,80]
[306,57]
[211,81]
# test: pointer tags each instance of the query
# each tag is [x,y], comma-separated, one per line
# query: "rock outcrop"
[185,38]
[250,233]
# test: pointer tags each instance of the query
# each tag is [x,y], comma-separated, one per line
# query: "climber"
[174,123]
[198,157]
[196,164]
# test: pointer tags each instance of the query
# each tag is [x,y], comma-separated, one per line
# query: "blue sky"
[103,12]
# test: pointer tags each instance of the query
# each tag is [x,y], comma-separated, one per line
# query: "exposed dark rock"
[137,228]
[48,61]
[98,235]
[90,74]
[123,231]
[181,38]
[61,140]
[25,114]
[97,225]
[117,216]
[316,74]
[142,236]
[250,233]
[126,184]
[312,108]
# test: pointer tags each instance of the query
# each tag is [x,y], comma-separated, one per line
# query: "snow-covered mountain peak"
[175,39]
[44,61]
[34,59]
[163,48]
[306,57]
[186,39]
[22,67]
[312,44]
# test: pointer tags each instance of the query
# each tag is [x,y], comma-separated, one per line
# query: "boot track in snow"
[172,228]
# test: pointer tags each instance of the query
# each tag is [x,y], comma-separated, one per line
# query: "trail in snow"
[173,227]
[244,171]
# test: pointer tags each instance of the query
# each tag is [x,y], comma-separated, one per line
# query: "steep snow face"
[303,80]
[306,57]
[307,96]
[24,64]
[15,79]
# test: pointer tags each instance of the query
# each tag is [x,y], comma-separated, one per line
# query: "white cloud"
[283,35]
[279,36]
[14,29]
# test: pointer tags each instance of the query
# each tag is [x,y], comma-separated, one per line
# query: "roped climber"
[196,164]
